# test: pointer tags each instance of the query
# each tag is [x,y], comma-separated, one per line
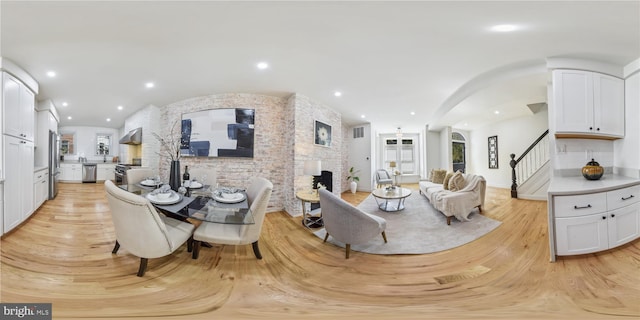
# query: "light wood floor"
[63,255]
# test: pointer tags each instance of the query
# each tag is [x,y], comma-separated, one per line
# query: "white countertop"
[580,185]
[36,169]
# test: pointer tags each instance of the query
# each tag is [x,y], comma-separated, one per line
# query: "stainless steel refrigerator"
[54,163]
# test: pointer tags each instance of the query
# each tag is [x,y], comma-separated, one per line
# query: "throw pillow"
[431,175]
[457,183]
[445,182]
[438,176]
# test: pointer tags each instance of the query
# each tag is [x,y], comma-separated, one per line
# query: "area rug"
[419,228]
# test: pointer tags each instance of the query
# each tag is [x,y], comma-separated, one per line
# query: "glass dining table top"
[198,204]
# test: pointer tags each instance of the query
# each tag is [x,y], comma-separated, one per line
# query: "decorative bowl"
[593,170]
[163,196]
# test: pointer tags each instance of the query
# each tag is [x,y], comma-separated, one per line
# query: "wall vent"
[358,132]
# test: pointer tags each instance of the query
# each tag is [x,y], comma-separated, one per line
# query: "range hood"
[133,137]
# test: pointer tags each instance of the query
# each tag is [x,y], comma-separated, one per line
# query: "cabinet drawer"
[623,197]
[579,205]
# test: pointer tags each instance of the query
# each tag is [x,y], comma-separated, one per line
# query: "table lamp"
[312,168]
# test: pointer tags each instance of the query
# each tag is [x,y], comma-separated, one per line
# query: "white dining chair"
[206,176]
[141,230]
[258,195]
[138,174]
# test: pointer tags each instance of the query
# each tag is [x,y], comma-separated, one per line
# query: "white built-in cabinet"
[18,133]
[106,171]
[70,172]
[588,105]
[592,222]
[40,187]
[18,104]
[18,181]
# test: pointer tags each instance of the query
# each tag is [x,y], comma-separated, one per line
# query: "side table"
[308,220]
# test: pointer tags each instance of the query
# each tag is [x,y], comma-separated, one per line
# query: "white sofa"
[457,204]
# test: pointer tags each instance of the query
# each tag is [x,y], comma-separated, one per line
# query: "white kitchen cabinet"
[588,105]
[40,187]
[70,172]
[1,208]
[18,204]
[623,225]
[593,222]
[106,172]
[18,104]
[578,235]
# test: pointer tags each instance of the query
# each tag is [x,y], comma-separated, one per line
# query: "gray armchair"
[383,178]
[141,230]
[348,224]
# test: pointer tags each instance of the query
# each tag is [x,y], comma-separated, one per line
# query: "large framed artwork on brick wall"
[493,152]
[218,133]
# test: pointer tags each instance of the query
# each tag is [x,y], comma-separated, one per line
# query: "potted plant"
[353,178]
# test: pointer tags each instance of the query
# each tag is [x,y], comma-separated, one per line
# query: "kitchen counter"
[579,185]
[36,169]
[88,162]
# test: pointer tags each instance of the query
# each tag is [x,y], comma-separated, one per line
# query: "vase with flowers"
[170,145]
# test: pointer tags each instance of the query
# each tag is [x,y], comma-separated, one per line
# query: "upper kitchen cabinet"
[19,108]
[588,105]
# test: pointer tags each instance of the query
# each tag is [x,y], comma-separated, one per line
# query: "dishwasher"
[89,172]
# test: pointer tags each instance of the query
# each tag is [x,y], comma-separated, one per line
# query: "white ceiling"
[388,58]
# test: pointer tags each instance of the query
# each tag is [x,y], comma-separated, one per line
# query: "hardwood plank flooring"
[62,255]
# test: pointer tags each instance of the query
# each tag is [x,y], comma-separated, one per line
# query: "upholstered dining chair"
[258,195]
[348,224]
[141,230]
[138,174]
[205,176]
[383,178]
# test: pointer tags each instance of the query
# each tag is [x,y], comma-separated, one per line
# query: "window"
[103,144]
[404,155]
[67,143]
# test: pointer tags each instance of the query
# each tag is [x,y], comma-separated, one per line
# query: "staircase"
[530,173]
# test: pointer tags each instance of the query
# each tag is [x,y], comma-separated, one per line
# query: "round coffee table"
[391,198]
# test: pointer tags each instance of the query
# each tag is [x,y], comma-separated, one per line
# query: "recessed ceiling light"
[51,74]
[120,108]
[466,124]
[149,85]
[413,113]
[262,65]
[108,119]
[504,28]
[496,112]
[64,104]
[337,94]
[362,116]
[69,117]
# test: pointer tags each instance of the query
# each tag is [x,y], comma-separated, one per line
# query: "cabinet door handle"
[585,207]
[598,129]
[604,217]
[627,198]
[613,216]
[590,128]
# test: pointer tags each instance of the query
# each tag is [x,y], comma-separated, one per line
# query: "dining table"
[204,204]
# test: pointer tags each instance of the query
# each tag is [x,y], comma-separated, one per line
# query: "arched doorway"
[458,151]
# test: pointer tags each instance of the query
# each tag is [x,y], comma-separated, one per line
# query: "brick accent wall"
[306,111]
[284,139]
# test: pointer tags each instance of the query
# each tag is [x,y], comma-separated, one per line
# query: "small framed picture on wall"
[322,134]
[493,152]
